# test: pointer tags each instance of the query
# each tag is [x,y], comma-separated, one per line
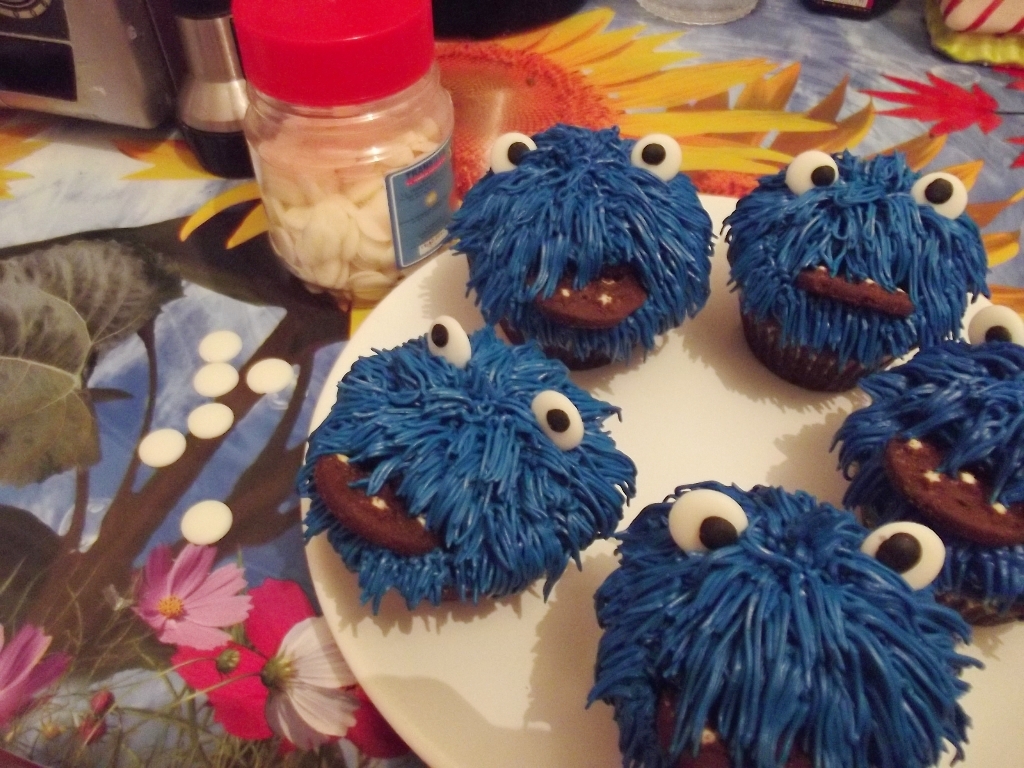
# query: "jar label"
[419,198]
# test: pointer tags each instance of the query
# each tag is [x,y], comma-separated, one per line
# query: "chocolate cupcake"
[845,264]
[459,467]
[942,443]
[588,243]
[764,629]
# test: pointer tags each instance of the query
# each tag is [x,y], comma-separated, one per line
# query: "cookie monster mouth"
[959,505]
[380,519]
[866,294]
[599,305]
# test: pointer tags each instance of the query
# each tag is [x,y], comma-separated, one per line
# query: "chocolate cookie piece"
[379,519]
[958,505]
[599,305]
[866,294]
[713,752]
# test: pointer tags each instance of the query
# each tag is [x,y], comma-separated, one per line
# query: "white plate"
[504,684]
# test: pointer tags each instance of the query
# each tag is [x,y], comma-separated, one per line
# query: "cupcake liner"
[564,356]
[804,367]
[980,612]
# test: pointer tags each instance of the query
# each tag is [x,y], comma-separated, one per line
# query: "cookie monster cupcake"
[942,443]
[843,264]
[586,242]
[764,629]
[460,467]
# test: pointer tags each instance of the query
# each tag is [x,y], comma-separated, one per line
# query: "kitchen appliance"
[212,100]
[478,19]
[117,61]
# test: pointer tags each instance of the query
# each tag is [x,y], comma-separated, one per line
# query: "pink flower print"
[372,734]
[24,672]
[92,729]
[305,678]
[310,702]
[185,603]
[101,702]
[230,678]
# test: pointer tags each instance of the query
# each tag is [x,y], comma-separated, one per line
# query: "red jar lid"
[322,53]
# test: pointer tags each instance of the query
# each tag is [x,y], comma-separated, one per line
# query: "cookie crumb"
[914,444]
[967,477]
[932,476]
[378,502]
[999,508]
[707,736]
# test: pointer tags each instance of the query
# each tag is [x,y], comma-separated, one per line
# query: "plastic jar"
[350,135]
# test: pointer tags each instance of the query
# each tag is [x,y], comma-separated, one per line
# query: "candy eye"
[558,418]
[912,550]
[702,520]
[447,339]
[811,169]
[658,153]
[996,323]
[942,191]
[508,151]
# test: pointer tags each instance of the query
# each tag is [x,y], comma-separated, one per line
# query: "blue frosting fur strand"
[463,448]
[969,402]
[791,637]
[576,204]
[866,225]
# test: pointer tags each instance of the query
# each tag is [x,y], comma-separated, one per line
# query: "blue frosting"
[576,204]
[464,449]
[865,225]
[790,638]
[968,401]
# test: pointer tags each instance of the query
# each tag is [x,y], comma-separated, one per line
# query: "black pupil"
[516,151]
[439,335]
[653,154]
[558,419]
[823,175]
[717,532]
[901,552]
[938,192]
[998,333]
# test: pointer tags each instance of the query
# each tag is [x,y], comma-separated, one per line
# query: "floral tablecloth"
[124,644]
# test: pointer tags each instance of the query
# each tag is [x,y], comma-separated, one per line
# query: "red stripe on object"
[1017,28]
[950,8]
[983,16]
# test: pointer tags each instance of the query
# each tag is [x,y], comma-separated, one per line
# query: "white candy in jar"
[330,222]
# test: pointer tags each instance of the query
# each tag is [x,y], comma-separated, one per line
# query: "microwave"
[116,61]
